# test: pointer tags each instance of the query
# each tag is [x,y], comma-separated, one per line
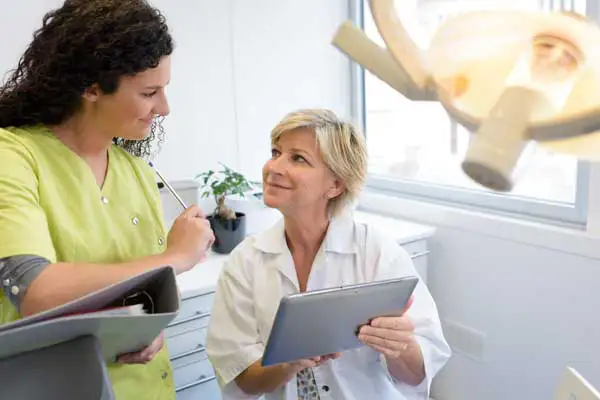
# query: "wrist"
[175,260]
[408,366]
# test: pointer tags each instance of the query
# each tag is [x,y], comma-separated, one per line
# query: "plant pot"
[228,232]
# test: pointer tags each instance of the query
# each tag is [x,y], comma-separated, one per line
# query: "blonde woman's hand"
[189,239]
[390,336]
[299,365]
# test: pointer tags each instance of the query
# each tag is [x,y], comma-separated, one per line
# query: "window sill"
[567,240]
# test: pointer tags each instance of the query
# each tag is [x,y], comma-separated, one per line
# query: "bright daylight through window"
[416,149]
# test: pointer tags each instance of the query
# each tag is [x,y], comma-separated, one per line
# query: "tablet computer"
[326,321]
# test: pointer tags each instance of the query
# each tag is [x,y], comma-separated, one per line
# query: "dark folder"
[70,344]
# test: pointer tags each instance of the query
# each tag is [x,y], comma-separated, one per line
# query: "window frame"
[571,215]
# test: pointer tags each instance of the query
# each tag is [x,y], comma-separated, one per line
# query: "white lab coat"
[261,270]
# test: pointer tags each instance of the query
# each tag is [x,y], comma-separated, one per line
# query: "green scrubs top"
[51,206]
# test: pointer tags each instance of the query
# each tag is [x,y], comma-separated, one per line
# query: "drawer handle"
[198,349]
[197,315]
[419,254]
[195,383]
[207,294]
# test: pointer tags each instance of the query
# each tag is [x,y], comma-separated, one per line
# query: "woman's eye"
[149,94]
[274,153]
[298,158]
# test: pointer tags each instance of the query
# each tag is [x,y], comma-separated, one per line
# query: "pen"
[169,187]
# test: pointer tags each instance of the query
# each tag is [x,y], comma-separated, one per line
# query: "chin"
[271,201]
[138,134]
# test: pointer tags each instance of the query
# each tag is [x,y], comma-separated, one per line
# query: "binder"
[76,331]
[68,370]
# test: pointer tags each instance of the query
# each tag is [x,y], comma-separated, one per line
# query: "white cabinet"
[411,236]
[186,339]
[418,251]
[186,335]
[207,389]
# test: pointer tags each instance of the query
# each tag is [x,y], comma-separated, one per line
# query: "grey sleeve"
[17,273]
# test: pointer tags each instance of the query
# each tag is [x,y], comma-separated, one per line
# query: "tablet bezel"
[334,316]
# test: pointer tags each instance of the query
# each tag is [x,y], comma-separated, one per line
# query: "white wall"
[284,60]
[238,67]
[201,129]
[530,291]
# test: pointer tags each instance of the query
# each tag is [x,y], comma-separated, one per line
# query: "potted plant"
[228,225]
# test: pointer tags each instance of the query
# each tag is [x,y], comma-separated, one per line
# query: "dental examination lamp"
[509,77]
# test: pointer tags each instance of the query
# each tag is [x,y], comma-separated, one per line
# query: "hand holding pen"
[190,237]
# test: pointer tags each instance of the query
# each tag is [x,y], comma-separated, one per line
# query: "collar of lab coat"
[340,237]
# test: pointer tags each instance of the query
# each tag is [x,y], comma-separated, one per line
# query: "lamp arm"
[579,124]
[402,47]
[353,42]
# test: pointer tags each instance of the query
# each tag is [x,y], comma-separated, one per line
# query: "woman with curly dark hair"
[79,207]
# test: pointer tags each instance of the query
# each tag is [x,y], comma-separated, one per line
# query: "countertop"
[403,231]
[203,277]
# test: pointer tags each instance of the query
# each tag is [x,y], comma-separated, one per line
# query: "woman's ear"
[92,93]
[336,190]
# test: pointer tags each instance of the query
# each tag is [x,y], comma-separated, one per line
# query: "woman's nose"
[278,165]
[162,108]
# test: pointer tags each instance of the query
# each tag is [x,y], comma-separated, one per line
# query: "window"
[416,150]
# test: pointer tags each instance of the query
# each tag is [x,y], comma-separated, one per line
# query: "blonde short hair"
[342,148]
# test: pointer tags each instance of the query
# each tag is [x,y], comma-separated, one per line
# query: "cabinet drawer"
[206,389]
[186,342]
[194,307]
[190,324]
[416,249]
[191,357]
[192,372]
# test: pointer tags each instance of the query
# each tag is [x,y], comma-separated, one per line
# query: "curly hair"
[85,42]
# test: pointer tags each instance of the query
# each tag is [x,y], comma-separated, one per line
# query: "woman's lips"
[277,186]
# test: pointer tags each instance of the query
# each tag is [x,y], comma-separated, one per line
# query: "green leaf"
[223,183]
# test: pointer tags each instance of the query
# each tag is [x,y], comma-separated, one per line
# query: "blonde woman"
[316,170]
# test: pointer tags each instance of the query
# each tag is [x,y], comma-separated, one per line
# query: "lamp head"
[512,78]
[509,74]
